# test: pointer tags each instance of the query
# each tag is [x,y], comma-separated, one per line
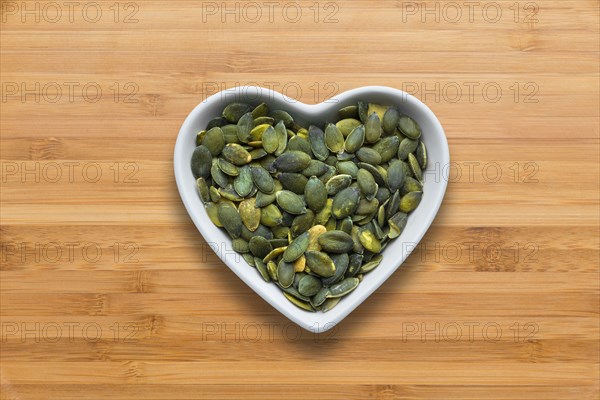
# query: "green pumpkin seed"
[214,141]
[397,224]
[302,223]
[392,205]
[422,155]
[329,304]
[409,127]
[280,115]
[299,303]
[262,269]
[366,207]
[387,148]
[395,176]
[216,122]
[262,179]
[346,126]
[373,128]
[292,161]
[290,202]
[383,194]
[204,191]
[345,203]
[315,168]
[297,248]
[264,121]
[355,139]
[228,192]
[257,133]
[201,162]
[293,182]
[336,242]
[244,126]
[354,264]
[410,201]
[341,262]
[371,265]
[309,285]
[334,139]
[366,183]
[343,288]
[243,183]
[315,194]
[369,241]
[270,140]
[270,216]
[240,245]
[337,184]
[415,167]
[215,196]
[230,134]
[228,168]
[390,121]
[323,216]
[348,112]
[200,137]
[285,274]
[298,143]
[282,138]
[363,111]
[236,154]
[259,247]
[347,168]
[377,108]
[213,214]
[249,259]
[260,110]
[318,299]
[411,185]
[272,270]
[234,111]
[320,263]
[250,214]
[407,146]
[379,177]
[331,172]
[316,138]
[230,218]
[368,156]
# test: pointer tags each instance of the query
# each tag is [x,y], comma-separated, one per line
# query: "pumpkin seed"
[409,127]
[282,138]
[201,162]
[395,176]
[316,137]
[410,201]
[343,288]
[354,264]
[345,203]
[422,155]
[315,194]
[341,262]
[290,202]
[390,121]
[282,116]
[320,263]
[244,126]
[318,299]
[373,128]
[230,218]
[347,168]
[387,148]
[297,248]
[259,247]
[346,126]
[236,154]
[363,111]
[366,183]
[270,140]
[369,241]
[299,303]
[407,146]
[397,224]
[270,216]
[200,137]
[293,182]
[219,121]
[334,139]
[203,190]
[369,156]
[330,304]
[260,110]
[337,183]
[315,168]
[348,112]
[249,214]
[262,179]
[309,285]
[371,265]
[292,161]
[285,274]
[214,141]
[415,167]
[302,223]
[336,242]
[234,111]
[243,183]
[355,139]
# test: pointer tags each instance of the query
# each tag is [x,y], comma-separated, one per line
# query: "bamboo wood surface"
[109,292]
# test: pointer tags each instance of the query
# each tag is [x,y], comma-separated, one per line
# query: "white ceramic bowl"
[396,251]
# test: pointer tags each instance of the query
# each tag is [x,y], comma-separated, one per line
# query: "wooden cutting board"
[109,292]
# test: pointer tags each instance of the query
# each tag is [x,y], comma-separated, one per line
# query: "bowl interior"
[319,114]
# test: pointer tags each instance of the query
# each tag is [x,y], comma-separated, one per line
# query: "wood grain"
[107,290]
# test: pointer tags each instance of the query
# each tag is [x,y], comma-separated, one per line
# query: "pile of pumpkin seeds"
[311,208]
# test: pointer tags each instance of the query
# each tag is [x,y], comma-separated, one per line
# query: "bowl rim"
[314,322]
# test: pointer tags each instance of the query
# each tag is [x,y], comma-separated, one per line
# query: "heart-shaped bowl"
[396,251]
